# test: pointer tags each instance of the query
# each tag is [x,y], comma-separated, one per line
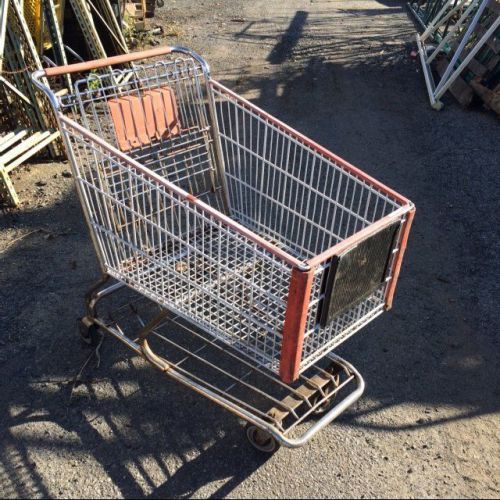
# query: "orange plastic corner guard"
[299,294]
[399,259]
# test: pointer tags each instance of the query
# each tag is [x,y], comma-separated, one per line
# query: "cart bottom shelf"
[286,414]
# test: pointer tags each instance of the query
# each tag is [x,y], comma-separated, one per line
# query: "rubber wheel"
[323,408]
[261,440]
[89,334]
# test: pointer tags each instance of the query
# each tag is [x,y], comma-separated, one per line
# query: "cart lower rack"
[245,235]
[275,413]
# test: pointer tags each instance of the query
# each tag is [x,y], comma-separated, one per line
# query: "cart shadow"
[147,435]
[440,344]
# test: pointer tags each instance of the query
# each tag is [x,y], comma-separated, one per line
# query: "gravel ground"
[427,426]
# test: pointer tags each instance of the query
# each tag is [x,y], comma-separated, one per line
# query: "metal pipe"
[454,28]
[429,81]
[231,406]
[444,82]
[441,90]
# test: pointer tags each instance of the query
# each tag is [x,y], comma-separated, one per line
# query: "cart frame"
[303,272]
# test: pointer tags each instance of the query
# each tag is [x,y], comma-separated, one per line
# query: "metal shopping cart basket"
[251,252]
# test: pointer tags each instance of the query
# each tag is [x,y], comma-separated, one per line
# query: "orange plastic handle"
[107,61]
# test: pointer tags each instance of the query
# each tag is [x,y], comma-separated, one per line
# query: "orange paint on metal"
[129,120]
[299,294]
[399,259]
[170,108]
[161,126]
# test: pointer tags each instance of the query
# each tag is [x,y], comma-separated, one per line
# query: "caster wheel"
[90,334]
[333,369]
[261,440]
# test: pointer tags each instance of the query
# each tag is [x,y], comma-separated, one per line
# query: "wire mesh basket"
[219,212]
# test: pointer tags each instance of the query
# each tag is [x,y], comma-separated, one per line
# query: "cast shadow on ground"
[437,348]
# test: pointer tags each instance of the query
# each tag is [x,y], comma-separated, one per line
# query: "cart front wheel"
[261,440]
[90,334]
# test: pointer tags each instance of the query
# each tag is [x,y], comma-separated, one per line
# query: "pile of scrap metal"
[41,32]
[461,42]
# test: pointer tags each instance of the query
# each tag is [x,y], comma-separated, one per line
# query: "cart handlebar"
[121,59]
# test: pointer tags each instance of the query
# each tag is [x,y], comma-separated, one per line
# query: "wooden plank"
[476,67]
[462,92]
[493,63]
[22,147]
[6,138]
[7,192]
[33,150]
[15,138]
[491,98]
[493,42]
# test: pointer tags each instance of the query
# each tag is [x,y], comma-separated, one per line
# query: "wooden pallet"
[490,97]
[482,66]
[15,148]
[136,10]
[22,59]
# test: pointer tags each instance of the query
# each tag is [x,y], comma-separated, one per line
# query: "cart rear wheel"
[334,370]
[89,334]
[261,440]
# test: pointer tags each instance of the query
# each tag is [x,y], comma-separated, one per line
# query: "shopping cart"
[251,252]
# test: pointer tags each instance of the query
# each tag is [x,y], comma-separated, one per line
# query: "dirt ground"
[341,72]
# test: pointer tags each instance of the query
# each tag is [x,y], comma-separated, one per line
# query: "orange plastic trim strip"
[107,61]
[399,259]
[295,324]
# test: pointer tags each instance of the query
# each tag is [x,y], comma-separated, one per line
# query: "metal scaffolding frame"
[50,16]
[460,40]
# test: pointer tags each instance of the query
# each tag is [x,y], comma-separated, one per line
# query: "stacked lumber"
[461,43]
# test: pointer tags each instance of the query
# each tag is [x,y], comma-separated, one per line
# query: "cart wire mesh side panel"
[225,216]
[321,210]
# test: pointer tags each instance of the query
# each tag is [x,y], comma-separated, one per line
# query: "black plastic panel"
[356,274]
